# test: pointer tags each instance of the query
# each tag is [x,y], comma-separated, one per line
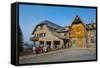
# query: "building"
[91,35]
[78,35]
[49,34]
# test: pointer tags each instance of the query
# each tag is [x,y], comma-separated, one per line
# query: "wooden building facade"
[78,35]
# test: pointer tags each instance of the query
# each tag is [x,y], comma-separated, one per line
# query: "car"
[39,50]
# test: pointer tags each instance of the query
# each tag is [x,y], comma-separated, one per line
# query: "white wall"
[5,34]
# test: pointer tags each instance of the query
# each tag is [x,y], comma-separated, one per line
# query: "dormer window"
[90,26]
[41,27]
[78,25]
[67,28]
[94,25]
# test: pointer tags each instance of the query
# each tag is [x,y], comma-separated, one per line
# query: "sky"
[31,15]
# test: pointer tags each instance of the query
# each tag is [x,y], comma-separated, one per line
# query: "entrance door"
[56,44]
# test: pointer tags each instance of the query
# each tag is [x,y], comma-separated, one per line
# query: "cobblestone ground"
[63,55]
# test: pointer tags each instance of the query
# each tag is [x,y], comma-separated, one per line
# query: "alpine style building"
[78,35]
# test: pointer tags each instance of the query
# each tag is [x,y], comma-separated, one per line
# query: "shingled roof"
[77,20]
[49,24]
[92,26]
[52,25]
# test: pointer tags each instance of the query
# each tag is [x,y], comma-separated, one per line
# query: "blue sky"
[31,15]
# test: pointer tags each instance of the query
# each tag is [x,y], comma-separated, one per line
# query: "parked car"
[39,50]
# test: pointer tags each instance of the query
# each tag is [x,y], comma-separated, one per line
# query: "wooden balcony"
[34,39]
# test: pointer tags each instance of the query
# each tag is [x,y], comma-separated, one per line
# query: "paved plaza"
[62,55]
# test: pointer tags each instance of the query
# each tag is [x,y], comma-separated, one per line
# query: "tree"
[20,39]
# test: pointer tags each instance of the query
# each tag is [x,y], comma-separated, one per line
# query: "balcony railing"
[34,39]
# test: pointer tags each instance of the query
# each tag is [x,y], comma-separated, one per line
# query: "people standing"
[45,49]
[34,49]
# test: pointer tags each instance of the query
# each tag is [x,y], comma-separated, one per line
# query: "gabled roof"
[49,24]
[52,25]
[77,20]
[92,26]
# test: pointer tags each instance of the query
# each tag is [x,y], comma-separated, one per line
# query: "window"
[34,35]
[56,42]
[41,35]
[94,25]
[92,39]
[90,26]
[74,42]
[41,27]
[44,34]
[78,36]
[37,35]
[77,28]
[65,34]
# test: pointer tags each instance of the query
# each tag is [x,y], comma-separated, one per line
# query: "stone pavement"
[60,55]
